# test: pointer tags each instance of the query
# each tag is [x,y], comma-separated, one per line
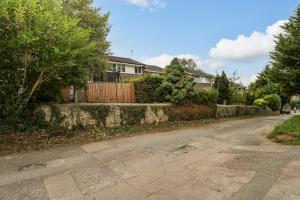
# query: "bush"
[273,101]
[202,96]
[145,88]
[249,97]
[295,103]
[261,103]
[189,112]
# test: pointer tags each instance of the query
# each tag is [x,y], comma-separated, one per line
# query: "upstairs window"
[138,70]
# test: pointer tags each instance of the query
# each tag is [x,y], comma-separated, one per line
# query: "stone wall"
[110,115]
[224,111]
[103,115]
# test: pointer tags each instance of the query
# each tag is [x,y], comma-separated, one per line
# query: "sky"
[229,35]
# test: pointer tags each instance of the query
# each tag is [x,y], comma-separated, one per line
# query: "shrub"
[177,87]
[260,102]
[295,103]
[189,112]
[202,96]
[273,101]
[249,97]
[145,88]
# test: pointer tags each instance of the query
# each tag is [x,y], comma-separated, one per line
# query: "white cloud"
[148,4]
[246,81]
[165,59]
[247,48]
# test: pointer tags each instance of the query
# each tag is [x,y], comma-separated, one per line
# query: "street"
[229,160]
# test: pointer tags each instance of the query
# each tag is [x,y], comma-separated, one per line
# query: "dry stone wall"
[224,111]
[104,115]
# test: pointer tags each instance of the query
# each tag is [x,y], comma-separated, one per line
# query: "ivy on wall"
[98,112]
[132,115]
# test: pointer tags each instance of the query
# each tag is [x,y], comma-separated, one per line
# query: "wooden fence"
[103,93]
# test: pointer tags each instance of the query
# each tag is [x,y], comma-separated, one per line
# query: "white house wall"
[129,69]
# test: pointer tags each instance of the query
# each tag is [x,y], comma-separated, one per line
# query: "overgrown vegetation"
[132,115]
[46,44]
[98,112]
[205,97]
[271,101]
[145,88]
[189,112]
[288,132]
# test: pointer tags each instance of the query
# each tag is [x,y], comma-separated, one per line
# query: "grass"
[287,132]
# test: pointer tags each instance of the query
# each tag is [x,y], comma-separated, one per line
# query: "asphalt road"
[231,160]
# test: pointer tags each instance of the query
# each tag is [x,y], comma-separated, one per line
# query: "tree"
[91,18]
[187,63]
[177,87]
[286,57]
[222,86]
[236,92]
[39,44]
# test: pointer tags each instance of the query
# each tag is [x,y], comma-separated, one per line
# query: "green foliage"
[249,97]
[222,86]
[177,87]
[286,57]
[187,63]
[132,115]
[93,19]
[202,96]
[98,112]
[145,88]
[44,41]
[295,103]
[261,103]
[189,112]
[273,102]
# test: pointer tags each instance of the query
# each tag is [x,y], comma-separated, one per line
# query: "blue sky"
[218,34]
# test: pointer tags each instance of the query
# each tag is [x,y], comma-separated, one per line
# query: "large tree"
[177,87]
[286,57]
[187,63]
[92,18]
[222,85]
[39,42]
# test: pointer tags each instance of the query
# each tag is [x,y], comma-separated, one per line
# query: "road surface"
[231,160]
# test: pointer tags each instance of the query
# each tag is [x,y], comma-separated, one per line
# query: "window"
[138,70]
[114,67]
[122,68]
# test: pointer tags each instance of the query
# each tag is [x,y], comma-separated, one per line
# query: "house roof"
[153,68]
[124,60]
[198,72]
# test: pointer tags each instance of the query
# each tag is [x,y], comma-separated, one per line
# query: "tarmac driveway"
[230,160]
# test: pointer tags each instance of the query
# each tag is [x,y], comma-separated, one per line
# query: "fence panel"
[110,93]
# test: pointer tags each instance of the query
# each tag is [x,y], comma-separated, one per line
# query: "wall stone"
[239,110]
[72,115]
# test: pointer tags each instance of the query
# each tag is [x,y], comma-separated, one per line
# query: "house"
[202,79]
[121,69]
[152,69]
